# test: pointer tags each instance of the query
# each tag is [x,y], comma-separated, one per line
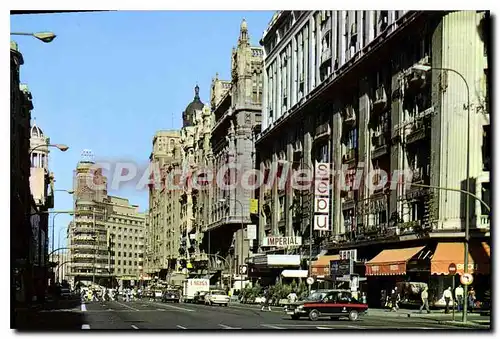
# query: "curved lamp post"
[61,147]
[426,68]
[42,36]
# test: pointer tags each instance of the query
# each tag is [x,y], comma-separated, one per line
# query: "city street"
[138,315]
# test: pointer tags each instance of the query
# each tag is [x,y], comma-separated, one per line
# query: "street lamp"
[67,191]
[426,68]
[242,224]
[42,36]
[61,147]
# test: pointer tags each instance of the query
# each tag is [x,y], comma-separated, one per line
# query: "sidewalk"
[474,319]
[63,315]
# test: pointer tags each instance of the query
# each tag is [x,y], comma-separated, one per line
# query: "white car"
[217,297]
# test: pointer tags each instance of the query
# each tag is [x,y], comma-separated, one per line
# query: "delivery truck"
[192,286]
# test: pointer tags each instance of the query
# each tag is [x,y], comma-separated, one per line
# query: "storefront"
[396,267]
[453,252]
[267,268]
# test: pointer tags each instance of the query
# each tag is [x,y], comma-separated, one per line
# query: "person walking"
[266,301]
[472,299]
[447,295]
[459,297]
[395,298]
[425,300]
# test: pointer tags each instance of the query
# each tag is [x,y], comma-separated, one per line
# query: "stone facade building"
[106,236]
[236,108]
[353,89]
[163,231]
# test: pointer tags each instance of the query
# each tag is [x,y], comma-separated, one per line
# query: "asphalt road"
[139,315]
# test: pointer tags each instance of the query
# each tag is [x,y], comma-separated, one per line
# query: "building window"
[130,262]
[119,262]
[119,254]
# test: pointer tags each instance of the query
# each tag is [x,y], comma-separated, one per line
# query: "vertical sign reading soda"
[322,197]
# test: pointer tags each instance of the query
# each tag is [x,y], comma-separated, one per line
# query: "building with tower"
[236,109]
[106,236]
[42,191]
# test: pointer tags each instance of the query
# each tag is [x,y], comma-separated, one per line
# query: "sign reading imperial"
[281,241]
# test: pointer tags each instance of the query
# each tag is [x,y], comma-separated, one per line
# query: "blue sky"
[110,80]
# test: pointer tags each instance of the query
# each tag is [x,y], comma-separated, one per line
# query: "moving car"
[332,303]
[199,297]
[171,296]
[217,297]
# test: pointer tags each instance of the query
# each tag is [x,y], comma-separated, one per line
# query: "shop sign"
[251,232]
[322,197]
[281,241]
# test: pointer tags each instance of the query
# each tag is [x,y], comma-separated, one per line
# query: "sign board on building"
[251,232]
[349,254]
[340,267]
[322,197]
[281,241]
[254,206]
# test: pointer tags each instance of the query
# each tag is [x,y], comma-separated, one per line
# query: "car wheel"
[353,315]
[314,315]
[295,317]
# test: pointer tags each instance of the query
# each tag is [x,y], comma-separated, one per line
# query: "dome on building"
[36,132]
[189,113]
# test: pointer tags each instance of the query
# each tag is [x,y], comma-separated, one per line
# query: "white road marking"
[178,308]
[181,327]
[134,309]
[357,327]
[229,327]
[160,309]
[134,327]
[324,328]
[275,327]
[84,308]
[85,327]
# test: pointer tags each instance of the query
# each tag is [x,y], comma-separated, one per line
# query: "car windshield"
[218,293]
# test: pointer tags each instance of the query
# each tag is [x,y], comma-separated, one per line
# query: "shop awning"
[321,267]
[453,252]
[294,274]
[391,262]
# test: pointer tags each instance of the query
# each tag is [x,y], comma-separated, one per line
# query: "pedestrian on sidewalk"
[447,295]
[459,296]
[425,300]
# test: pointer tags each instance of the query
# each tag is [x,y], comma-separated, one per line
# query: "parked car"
[332,303]
[217,297]
[199,297]
[171,296]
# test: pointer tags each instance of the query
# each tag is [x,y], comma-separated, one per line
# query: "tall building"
[163,230]
[236,107]
[24,230]
[195,197]
[42,191]
[106,237]
[379,90]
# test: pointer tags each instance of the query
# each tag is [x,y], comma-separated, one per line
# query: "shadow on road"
[59,315]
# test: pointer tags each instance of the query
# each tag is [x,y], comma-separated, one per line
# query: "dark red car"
[330,303]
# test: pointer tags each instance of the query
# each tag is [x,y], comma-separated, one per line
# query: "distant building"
[106,236]
[163,229]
